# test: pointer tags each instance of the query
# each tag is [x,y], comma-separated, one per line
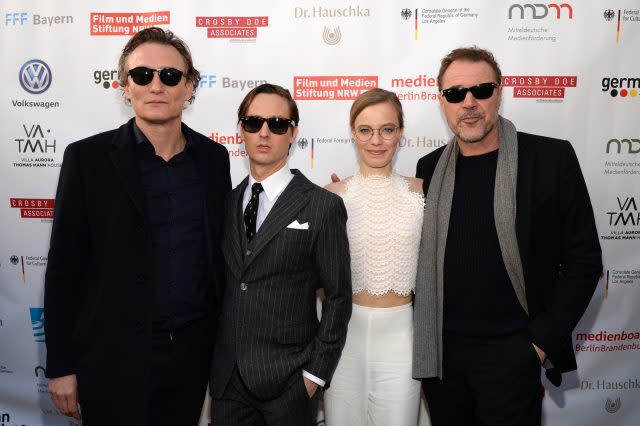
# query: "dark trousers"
[238,407]
[486,382]
[179,372]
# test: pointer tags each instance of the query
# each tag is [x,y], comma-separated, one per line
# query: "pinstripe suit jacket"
[268,325]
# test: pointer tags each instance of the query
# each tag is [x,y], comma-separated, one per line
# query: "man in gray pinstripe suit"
[284,237]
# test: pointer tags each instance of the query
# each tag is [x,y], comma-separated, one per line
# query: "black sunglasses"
[277,125]
[454,95]
[143,75]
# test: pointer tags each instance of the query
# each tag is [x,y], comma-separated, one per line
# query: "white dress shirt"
[273,186]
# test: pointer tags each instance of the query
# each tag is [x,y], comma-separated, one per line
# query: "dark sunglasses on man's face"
[143,75]
[454,95]
[277,125]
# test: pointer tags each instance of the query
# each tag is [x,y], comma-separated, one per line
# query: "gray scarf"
[427,342]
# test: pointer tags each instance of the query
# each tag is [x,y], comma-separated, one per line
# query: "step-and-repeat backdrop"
[571,71]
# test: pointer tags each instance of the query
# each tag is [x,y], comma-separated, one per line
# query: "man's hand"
[311,386]
[64,394]
[541,354]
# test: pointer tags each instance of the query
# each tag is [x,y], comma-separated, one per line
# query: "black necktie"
[251,211]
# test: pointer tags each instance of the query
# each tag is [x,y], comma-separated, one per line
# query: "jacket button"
[243,286]
[248,253]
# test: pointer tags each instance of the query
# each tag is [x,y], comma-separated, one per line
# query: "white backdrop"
[573,73]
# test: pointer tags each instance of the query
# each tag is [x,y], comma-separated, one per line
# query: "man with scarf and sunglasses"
[509,257]
[134,275]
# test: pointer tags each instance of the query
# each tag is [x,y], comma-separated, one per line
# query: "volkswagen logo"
[35,76]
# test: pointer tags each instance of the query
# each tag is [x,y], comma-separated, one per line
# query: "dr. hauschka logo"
[37,324]
[346,87]
[622,87]
[542,88]
[237,29]
[14,19]
[233,142]
[108,79]
[125,23]
[33,208]
[540,11]
[419,88]
[316,12]
[612,406]
[332,36]
[623,220]
[420,142]
[35,76]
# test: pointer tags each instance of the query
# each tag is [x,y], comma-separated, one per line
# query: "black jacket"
[557,239]
[97,293]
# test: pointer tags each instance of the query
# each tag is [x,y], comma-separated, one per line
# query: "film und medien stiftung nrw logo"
[35,76]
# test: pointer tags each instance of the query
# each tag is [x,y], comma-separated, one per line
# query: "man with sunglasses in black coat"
[509,257]
[135,271]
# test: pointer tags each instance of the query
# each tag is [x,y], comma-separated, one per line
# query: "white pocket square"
[296,225]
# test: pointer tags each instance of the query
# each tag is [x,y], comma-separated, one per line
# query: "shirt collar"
[274,184]
[141,137]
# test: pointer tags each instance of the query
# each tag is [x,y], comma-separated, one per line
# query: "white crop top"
[384,226]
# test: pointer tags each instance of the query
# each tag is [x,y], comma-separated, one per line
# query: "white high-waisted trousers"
[372,385]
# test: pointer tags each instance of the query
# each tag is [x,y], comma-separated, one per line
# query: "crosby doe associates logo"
[542,88]
[237,29]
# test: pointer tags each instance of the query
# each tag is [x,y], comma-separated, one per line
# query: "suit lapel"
[124,160]
[523,201]
[293,199]
[232,245]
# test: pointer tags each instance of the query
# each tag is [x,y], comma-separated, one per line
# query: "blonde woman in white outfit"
[372,384]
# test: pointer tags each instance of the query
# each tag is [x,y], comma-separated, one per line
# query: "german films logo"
[339,88]
[238,29]
[621,87]
[542,88]
[125,23]
[33,208]
[107,79]
[606,341]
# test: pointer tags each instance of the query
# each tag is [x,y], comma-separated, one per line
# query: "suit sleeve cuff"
[313,378]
